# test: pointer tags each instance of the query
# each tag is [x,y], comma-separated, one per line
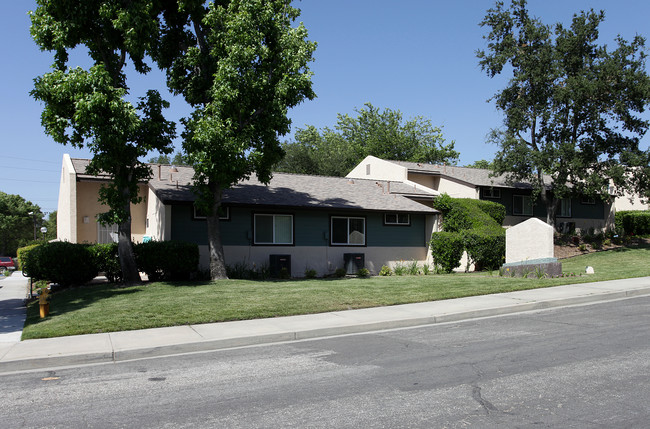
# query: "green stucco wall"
[311,228]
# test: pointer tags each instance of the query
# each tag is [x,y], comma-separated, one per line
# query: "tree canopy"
[241,65]
[573,108]
[384,134]
[18,222]
[89,107]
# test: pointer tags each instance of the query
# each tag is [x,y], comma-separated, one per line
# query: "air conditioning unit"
[353,262]
[279,262]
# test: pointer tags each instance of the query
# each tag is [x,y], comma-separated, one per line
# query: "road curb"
[108,352]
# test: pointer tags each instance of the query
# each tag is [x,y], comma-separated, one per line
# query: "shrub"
[400,269]
[485,247]
[62,262]
[363,273]
[385,271]
[310,273]
[340,272]
[632,222]
[447,249]
[23,258]
[478,224]
[107,261]
[167,260]
[413,268]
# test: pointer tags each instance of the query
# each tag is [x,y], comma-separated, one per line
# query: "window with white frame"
[348,231]
[565,208]
[492,193]
[522,205]
[106,233]
[397,219]
[273,229]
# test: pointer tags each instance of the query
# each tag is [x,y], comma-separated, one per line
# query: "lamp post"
[43,230]
[33,215]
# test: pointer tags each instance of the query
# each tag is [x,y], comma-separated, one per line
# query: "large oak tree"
[89,107]
[241,65]
[573,107]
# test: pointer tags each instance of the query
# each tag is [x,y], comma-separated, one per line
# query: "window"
[397,219]
[522,205]
[565,208]
[589,201]
[106,233]
[348,231]
[273,229]
[491,193]
[224,213]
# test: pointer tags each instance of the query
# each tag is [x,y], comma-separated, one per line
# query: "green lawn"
[107,308]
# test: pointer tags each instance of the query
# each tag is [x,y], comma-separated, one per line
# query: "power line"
[30,159]
[30,181]
[29,169]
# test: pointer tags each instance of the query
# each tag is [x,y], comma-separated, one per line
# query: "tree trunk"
[217,260]
[130,274]
[551,204]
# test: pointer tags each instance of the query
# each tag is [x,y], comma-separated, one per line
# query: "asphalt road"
[577,367]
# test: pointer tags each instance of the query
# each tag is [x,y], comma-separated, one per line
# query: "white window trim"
[274,243]
[348,231]
[397,216]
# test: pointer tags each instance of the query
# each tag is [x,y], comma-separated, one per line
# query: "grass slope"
[108,308]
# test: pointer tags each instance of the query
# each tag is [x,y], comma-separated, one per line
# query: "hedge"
[107,261]
[632,222]
[61,262]
[477,224]
[447,250]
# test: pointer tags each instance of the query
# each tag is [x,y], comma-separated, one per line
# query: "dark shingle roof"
[173,184]
[473,176]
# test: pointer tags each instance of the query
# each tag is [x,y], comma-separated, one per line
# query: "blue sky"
[417,56]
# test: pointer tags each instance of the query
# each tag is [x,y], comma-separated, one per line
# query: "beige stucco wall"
[457,189]
[377,169]
[88,207]
[158,218]
[66,225]
[630,202]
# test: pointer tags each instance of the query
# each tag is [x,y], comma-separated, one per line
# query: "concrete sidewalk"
[13,292]
[121,346]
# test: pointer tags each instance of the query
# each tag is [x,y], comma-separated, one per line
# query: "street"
[576,367]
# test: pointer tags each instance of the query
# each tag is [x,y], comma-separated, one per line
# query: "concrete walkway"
[13,292]
[121,346]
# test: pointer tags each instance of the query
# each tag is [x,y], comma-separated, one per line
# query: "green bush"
[478,225]
[310,273]
[632,222]
[340,272]
[385,271]
[167,260]
[62,262]
[23,258]
[485,247]
[363,273]
[107,261]
[447,249]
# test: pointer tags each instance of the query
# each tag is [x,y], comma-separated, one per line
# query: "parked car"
[6,263]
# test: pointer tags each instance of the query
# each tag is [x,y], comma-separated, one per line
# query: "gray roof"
[173,184]
[473,176]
